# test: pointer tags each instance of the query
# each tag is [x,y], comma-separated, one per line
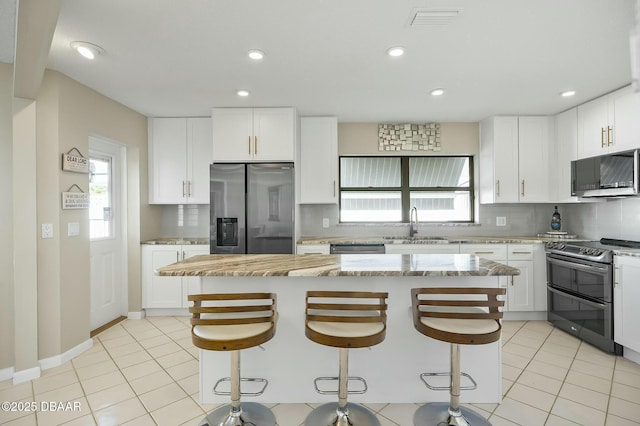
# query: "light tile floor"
[145,372]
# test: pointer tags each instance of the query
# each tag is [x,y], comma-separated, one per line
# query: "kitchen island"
[290,361]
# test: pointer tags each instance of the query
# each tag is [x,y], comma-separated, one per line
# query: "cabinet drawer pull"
[602,137]
[609,135]
[183,189]
[188,188]
[255,145]
[249,146]
[497,188]
[520,252]
[177,256]
[334,188]
[522,193]
[484,252]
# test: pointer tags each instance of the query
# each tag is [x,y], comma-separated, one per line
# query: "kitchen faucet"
[413,221]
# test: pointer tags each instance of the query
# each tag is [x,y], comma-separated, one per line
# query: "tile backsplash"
[185,221]
[612,218]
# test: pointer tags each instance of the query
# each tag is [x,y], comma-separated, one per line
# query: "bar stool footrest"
[264,382]
[424,376]
[335,392]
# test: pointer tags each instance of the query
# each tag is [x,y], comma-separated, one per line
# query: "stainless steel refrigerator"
[252,208]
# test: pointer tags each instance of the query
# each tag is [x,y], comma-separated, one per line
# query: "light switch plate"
[325,222]
[47,230]
[73,229]
[501,221]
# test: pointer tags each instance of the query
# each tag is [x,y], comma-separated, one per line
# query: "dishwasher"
[357,248]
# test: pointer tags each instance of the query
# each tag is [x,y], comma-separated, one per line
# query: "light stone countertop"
[433,240]
[319,265]
[627,252]
[177,241]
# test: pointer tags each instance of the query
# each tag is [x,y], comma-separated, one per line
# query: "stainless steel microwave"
[610,175]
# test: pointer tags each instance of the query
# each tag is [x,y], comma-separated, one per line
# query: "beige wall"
[68,113]
[6,218]
[362,139]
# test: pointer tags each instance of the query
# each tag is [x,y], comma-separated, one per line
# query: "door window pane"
[367,172]
[370,206]
[100,201]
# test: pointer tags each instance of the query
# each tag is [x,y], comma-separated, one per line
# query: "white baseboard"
[632,355]
[58,360]
[6,373]
[136,315]
[26,375]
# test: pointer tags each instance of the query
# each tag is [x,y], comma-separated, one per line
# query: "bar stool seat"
[468,316]
[232,322]
[344,320]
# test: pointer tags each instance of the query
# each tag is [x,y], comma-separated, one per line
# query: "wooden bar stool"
[344,320]
[467,316]
[232,322]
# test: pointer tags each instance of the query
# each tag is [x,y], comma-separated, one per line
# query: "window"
[100,224]
[384,189]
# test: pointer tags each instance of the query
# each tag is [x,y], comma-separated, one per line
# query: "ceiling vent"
[423,17]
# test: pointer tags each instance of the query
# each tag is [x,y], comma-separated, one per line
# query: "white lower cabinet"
[527,291]
[422,248]
[626,294]
[167,292]
[313,249]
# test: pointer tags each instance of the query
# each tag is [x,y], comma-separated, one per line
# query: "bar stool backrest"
[346,307]
[233,309]
[457,304]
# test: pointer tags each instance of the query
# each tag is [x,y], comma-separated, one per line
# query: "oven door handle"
[576,298]
[578,266]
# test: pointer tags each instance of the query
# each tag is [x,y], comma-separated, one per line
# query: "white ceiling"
[180,58]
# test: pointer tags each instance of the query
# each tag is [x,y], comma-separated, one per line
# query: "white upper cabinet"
[253,134]
[565,151]
[318,160]
[534,134]
[609,124]
[514,159]
[179,158]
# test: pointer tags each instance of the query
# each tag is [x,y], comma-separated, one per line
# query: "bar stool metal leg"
[237,414]
[342,413]
[442,413]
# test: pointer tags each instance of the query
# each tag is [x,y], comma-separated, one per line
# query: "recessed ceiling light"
[567,93]
[255,54]
[437,92]
[395,51]
[243,93]
[86,49]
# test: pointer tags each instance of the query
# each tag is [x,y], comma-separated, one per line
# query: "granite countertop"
[177,241]
[317,265]
[433,240]
[627,252]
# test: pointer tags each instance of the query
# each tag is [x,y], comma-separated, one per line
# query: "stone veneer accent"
[409,137]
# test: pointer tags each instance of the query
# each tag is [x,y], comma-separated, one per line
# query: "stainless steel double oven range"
[580,289]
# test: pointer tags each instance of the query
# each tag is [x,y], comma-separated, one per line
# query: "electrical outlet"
[501,221]
[47,230]
[325,222]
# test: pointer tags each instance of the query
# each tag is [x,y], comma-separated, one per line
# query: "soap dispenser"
[555,220]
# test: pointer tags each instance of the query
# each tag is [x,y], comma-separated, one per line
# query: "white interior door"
[106,224]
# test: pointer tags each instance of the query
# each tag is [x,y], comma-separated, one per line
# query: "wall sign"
[409,137]
[75,163]
[75,200]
